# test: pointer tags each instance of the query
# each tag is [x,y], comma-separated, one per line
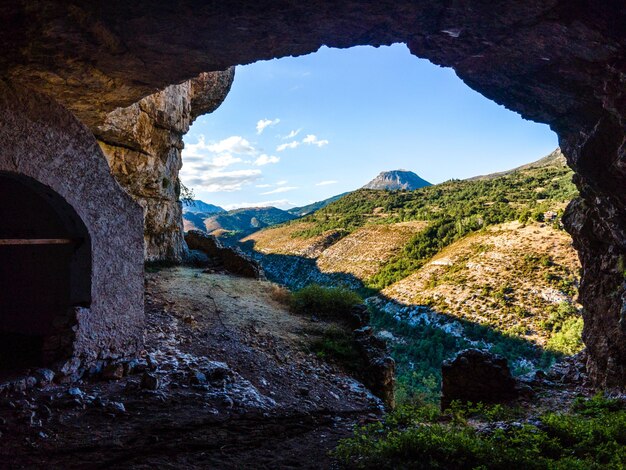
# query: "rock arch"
[560,62]
[53,166]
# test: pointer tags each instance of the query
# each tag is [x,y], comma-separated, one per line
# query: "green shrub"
[568,340]
[338,345]
[325,302]
[591,436]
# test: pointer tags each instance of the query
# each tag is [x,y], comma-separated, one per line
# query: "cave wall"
[143,144]
[42,140]
[561,62]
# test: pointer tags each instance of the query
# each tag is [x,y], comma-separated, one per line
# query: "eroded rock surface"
[143,144]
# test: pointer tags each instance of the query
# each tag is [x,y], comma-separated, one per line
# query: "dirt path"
[237,388]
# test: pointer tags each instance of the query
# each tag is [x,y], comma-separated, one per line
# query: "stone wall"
[143,144]
[41,140]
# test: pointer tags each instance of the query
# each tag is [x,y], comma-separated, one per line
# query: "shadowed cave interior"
[44,271]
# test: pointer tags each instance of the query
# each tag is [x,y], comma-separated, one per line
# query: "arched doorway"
[45,271]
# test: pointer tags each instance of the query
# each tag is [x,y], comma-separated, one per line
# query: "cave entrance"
[45,271]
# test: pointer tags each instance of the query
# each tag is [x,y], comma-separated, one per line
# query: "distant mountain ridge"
[245,220]
[554,159]
[196,206]
[396,180]
[310,208]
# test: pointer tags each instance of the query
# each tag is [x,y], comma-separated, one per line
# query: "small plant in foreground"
[592,435]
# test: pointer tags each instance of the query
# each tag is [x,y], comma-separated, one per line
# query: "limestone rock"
[232,259]
[477,376]
[143,144]
[378,373]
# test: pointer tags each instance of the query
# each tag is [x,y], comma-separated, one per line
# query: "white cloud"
[311,139]
[326,183]
[282,189]
[292,134]
[289,145]
[281,182]
[233,145]
[282,203]
[217,180]
[266,159]
[263,123]
[205,164]
[263,185]
[225,160]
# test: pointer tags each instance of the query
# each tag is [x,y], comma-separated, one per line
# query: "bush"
[592,435]
[568,340]
[325,302]
[338,345]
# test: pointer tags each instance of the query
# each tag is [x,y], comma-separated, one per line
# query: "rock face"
[231,259]
[557,62]
[396,180]
[476,376]
[143,144]
[379,372]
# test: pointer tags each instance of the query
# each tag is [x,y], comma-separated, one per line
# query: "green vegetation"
[423,348]
[324,302]
[568,339]
[337,344]
[565,324]
[453,209]
[592,435]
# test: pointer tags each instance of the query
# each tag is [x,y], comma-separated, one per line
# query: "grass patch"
[325,302]
[337,345]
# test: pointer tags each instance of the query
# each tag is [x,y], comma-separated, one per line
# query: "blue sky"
[300,129]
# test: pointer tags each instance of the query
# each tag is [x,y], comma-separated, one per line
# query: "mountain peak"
[196,206]
[397,179]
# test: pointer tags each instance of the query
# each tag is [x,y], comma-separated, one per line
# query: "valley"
[482,262]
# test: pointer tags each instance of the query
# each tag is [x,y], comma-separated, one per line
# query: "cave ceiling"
[558,62]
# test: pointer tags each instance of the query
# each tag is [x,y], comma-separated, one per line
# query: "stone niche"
[71,244]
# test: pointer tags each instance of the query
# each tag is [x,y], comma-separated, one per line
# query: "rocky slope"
[455,266]
[512,277]
[396,180]
[358,255]
[143,144]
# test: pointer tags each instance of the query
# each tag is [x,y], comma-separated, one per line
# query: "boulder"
[232,259]
[378,373]
[477,376]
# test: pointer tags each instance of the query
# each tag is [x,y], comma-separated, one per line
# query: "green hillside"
[453,209]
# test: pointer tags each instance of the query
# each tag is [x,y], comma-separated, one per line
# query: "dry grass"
[508,277]
[280,294]
[365,251]
[282,241]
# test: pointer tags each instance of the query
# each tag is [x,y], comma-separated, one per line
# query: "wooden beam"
[37,241]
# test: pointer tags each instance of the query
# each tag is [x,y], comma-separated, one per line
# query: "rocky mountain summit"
[397,179]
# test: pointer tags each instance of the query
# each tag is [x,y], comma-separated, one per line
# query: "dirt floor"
[226,381]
